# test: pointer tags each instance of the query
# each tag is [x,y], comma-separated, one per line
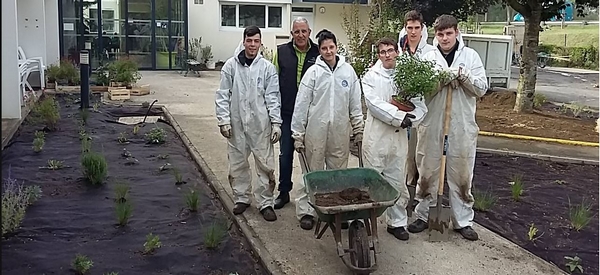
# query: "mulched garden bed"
[75,217]
[550,191]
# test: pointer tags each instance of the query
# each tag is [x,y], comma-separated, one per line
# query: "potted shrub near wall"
[102,80]
[123,73]
[67,74]
[414,78]
[52,72]
[206,56]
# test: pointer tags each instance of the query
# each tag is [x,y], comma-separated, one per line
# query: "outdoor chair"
[36,64]
[25,70]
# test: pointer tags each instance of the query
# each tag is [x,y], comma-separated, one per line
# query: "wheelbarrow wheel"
[358,241]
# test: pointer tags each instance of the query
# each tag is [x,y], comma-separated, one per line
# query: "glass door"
[170,28]
[140,33]
[80,28]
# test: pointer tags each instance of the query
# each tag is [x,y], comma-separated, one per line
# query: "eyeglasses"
[388,51]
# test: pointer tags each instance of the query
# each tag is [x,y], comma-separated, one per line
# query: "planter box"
[119,94]
[100,89]
[51,85]
[140,90]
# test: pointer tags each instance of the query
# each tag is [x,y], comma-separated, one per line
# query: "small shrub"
[86,144]
[112,273]
[47,111]
[152,244]
[122,138]
[163,156]
[39,141]
[178,176]
[55,164]
[580,215]
[94,167]
[15,200]
[136,130]
[516,187]
[214,235]
[538,100]
[484,201]
[532,234]
[82,264]
[121,192]
[156,136]
[95,107]
[192,200]
[84,114]
[573,264]
[124,210]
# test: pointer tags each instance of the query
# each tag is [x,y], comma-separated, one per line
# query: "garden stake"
[439,215]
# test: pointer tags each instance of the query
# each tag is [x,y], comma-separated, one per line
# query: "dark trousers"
[286,155]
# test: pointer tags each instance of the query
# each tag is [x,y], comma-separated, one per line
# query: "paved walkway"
[296,251]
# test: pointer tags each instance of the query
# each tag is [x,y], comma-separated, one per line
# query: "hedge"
[579,57]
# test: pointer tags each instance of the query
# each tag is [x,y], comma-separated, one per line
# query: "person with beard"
[248,112]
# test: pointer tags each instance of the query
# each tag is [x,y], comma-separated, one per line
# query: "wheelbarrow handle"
[360,155]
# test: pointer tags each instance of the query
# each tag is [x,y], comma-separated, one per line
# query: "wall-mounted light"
[322,9]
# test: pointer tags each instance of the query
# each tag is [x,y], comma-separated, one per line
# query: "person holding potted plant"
[412,40]
[468,83]
[385,145]
[326,112]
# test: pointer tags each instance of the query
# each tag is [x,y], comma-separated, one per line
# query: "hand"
[226,130]
[275,133]
[299,146]
[406,122]
[358,138]
[463,75]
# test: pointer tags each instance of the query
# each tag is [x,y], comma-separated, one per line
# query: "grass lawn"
[576,35]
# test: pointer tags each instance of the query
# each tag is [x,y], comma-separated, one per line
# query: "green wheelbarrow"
[363,243]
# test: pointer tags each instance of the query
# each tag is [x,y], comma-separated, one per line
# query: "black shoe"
[269,214]
[239,208]
[282,200]
[418,226]
[307,222]
[345,225]
[468,233]
[398,232]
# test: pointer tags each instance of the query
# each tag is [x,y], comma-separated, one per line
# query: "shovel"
[439,215]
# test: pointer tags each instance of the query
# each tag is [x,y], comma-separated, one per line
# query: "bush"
[68,74]
[46,110]
[94,167]
[15,200]
[124,70]
[579,57]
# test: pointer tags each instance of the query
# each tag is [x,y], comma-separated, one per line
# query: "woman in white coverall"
[413,40]
[248,112]
[450,54]
[327,111]
[385,144]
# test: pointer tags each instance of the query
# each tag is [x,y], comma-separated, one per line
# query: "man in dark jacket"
[291,60]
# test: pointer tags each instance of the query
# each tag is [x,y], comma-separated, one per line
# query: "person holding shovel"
[248,113]
[327,112]
[385,145]
[467,83]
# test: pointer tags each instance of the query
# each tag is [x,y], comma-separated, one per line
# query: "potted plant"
[123,72]
[52,72]
[414,78]
[206,56]
[67,74]
[102,80]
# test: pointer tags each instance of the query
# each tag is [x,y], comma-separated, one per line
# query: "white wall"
[332,19]
[11,102]
[205,21]
[32,28]
[52,43]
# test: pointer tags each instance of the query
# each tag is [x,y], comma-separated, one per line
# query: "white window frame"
[237,16]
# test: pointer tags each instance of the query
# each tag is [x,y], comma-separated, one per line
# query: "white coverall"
[462,137]
[327,111]
[385,143]
[248,99]
[411,165]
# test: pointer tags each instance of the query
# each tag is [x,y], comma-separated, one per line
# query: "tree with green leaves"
[431,9]
[534,12]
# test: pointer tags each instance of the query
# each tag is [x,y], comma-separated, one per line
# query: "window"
[108,16]
[198,2]
[243,15]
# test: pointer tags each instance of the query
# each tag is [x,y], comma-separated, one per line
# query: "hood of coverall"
[320,62]
[240,56]
[380,70]
[422,43]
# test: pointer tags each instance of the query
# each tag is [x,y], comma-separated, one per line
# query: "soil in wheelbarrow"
[73,217]
[555,197]
[347,196]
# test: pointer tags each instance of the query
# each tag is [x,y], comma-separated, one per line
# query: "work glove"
[226,130]
[463,75]
[299,146]
[406,122]
[358,138]
[275,133]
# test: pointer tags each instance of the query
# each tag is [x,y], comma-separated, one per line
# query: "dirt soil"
[495,114]
[347,196]
[74,218]
[548,188]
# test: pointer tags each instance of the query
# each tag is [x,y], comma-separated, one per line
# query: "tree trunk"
[528,68]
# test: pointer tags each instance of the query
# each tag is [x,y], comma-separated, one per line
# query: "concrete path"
[296,251]
[565,85]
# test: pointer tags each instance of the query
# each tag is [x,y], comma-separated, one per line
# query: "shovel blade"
[439,223]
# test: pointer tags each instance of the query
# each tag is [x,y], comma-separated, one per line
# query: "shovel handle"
[447,113]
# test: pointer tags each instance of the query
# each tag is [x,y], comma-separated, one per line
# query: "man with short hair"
[385,143]
[248,112]
[291,59]
[413,40]
[469,82]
